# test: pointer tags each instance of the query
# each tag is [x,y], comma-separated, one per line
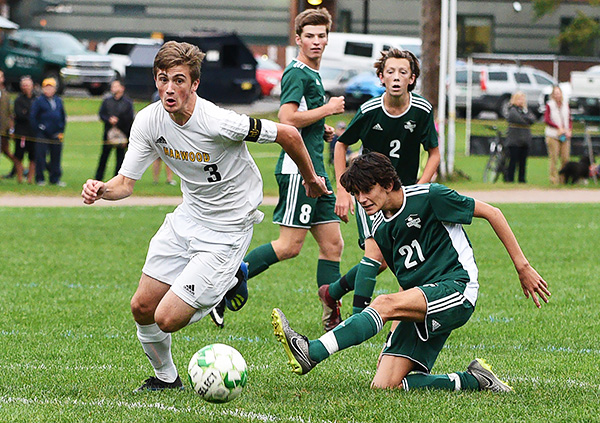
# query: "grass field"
[69,352]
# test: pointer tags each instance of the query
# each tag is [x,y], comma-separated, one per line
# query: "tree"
[580,36]
[431,11]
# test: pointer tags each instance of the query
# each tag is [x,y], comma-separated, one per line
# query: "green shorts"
[297,210]
[447,309]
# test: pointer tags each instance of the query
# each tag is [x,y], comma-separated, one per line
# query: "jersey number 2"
[409,252]
[394,147]
[213,173]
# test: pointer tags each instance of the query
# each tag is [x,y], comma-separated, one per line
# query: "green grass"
[83,146]
[70,354]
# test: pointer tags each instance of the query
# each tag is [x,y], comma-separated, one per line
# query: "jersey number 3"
[213,173]
[409,251]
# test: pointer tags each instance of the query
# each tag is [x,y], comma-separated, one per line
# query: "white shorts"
[199,263]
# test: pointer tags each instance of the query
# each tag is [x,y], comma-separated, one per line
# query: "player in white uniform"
[193,258]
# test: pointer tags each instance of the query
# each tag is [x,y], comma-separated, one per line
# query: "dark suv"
[45,54]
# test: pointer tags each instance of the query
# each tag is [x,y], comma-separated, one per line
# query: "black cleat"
[155,384]
[217,314]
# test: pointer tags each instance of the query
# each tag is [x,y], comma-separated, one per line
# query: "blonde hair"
[318,16]
[515,97]
[173,54]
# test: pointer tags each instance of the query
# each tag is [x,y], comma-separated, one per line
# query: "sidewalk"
[493,197]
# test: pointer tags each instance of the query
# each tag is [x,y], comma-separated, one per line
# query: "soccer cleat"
[488,381]
[237,296]
[331,309]
[295,345]
[155,384]
[217,314]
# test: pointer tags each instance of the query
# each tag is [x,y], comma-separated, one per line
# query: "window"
[461,77]
[497,76]
[129,9]
[120,49]
[474,34]
[344,21]
[542,80]
[522,78]
[359,49]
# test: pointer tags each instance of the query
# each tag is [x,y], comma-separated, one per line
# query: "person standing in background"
[48,120]
[23,134]
[518,136]
[6,124]
[558,132]
[116,111]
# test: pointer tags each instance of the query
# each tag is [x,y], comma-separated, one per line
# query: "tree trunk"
[431,11]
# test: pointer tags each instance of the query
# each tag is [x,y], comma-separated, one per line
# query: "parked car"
[53,54]
[361,88]
[585,91]
[336,78]
[268,74]
[493,85]
[119,50]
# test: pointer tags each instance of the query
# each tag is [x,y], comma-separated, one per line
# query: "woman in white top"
[558,132]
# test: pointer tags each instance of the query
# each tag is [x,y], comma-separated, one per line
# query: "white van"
[363,50]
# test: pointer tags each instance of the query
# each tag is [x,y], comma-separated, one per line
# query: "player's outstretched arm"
[290,140]
[117,188]
[532,283]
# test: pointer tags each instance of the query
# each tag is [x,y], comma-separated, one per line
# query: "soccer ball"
[218,373]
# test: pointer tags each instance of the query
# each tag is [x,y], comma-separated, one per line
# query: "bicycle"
[498,161]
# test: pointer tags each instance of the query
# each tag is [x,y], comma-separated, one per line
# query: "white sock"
[157,346]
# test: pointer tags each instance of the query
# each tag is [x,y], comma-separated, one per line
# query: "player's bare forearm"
[431,167]
[343,202]
[117,188]
[532,283]
[289,114]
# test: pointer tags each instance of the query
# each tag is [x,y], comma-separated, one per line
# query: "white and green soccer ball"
[218,373]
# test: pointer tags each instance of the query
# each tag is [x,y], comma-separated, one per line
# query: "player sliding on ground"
[422,239]
[193,260]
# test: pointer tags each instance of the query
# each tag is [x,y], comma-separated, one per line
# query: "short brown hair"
[396,53]
[368,170]
[173,53]
[318,16]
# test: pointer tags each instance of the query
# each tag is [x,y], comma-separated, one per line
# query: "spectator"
[156,172]
[518,136]
[48,120]
[6,123]
[117,113]
[558,132]
[340,127]
[23,134]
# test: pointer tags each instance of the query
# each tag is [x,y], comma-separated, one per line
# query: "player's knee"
[384,305]
[332,248]
[289,250]
[167,323]
[140,309]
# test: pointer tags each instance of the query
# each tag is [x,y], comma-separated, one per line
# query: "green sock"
[343,285]
[365,283]
[327,272]
[451,382]
[260,259]
[355,330]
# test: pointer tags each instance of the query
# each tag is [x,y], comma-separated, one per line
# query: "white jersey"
[221,184]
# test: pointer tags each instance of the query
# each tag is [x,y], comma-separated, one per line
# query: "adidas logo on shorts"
[189,288]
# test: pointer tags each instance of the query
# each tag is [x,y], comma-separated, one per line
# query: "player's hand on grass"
[92,191]
[316,188]
[533,285]
[343,204]
[337,105]
[328,134]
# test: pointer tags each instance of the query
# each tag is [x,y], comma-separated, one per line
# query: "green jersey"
[424,242]
[302,85]
[398,137]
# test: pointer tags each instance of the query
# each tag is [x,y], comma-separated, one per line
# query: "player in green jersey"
[303,106]
[421,236]
[396,124]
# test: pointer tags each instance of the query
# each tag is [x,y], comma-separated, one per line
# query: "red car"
[268,74]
